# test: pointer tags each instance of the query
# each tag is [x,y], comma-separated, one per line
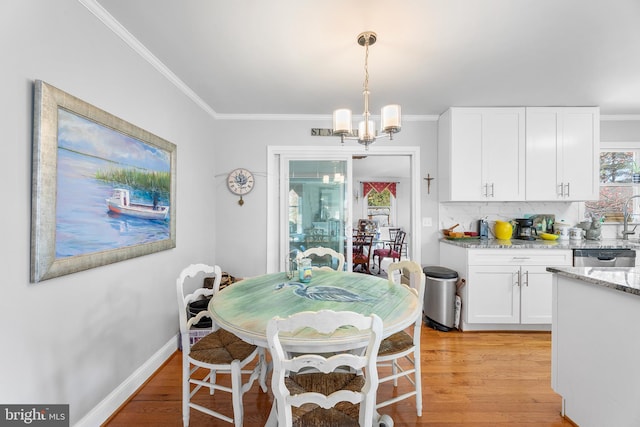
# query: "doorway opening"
[279,186]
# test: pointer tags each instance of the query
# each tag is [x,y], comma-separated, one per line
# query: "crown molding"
[101,13]
[107,19]
[619,117]
[273,117]
[312,117]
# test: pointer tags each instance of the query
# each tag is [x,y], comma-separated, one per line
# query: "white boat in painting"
[120,202]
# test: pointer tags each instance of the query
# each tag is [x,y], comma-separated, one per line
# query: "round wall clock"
[240,182]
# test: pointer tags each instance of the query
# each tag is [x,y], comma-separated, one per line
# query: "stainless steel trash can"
[440,297]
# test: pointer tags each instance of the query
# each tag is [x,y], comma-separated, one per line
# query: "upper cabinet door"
[481,154]
[543,129]
[581,153]
[562,146]
[463,150]
[503,150]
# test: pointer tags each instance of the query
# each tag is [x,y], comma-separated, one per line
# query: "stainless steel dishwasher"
[618,257]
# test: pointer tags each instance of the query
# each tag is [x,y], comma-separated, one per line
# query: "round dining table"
[246,307]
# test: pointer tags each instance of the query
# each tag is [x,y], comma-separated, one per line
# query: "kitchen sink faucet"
[625,214]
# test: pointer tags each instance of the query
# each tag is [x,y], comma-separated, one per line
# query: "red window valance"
[379,187]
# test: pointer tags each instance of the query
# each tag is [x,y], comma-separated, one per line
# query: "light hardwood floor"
[468,379]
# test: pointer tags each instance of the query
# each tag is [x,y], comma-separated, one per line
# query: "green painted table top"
[245,307]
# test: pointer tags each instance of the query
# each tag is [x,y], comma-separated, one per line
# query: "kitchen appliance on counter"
[524,229]
[483,228]
[615,257]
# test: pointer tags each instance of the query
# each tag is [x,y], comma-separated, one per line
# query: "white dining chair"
[401,351]
[322,252]
[314,389]
[219,352]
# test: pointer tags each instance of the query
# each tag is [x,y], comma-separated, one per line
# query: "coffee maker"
[524,229]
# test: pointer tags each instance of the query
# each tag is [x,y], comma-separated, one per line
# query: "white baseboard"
[103,410]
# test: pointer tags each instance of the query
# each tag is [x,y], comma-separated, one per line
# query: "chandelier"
[389,115]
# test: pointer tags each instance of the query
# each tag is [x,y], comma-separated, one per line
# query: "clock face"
[240,181]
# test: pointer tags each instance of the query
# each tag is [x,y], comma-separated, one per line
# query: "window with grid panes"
[617,168]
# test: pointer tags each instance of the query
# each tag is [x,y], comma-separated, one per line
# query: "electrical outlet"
[427,222]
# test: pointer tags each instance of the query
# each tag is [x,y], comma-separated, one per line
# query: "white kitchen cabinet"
[493,295]
[481,154]
[535,295]
[510,294]
[506,289]
[562,153]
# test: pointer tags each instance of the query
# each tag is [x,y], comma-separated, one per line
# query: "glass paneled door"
[318,209]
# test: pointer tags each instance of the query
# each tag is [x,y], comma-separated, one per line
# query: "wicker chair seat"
[221,347]
[309,414]
[400,341]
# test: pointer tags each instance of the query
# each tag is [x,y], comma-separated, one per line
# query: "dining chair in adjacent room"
[391,250]
[338,389]
[361,257]
[219,352]
[392,232]
[401,351]
[331,260]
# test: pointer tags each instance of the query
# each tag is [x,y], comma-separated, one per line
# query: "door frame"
[275,259]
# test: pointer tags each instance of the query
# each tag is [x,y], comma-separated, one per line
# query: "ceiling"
[297,57]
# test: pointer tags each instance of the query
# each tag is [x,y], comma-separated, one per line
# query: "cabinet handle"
[517,258]
[492,194]
[568,192]
[518,276]
[561,187]
[526,276]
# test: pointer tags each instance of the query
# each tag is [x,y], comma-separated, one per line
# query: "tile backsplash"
[467,215]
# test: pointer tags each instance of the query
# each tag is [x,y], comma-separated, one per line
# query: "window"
[379,207]
[380,202]
[618,165]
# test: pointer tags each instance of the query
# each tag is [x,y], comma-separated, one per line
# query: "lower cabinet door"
[535,300]
[493,294]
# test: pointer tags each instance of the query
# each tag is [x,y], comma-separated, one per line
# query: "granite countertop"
[624,279]
[476,243]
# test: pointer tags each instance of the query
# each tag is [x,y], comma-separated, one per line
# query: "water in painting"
[93,160]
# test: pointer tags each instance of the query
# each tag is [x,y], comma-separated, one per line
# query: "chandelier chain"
[366,136]
[366,66]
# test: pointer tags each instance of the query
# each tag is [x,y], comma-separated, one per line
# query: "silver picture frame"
[46,263]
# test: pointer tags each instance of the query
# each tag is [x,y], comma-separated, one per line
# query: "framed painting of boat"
[103,190]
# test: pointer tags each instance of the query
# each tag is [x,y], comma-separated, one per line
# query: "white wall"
[76,338]
[241,230]
[620,130]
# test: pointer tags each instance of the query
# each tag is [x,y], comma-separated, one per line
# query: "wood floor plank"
[468,379]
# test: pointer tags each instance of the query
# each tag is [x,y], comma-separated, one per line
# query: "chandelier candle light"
[389,115]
